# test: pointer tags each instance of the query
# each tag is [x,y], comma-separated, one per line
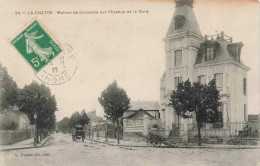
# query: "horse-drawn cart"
[78,133]
[155,138]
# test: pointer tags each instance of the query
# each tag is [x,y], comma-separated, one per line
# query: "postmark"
[36,45]
[61,69]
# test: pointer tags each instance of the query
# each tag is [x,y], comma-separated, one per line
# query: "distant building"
[92,115]
[94,119]
[134,117]
[191,56]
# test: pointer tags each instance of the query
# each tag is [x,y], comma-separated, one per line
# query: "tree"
[197,99]
[64,125]
[115,102]
[79,118]
[9,90]
[84,119]
[37,98]
[74,119]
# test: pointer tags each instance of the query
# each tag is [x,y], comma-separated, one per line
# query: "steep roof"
[145,105]
[184,12]
[141,111]
[223,51]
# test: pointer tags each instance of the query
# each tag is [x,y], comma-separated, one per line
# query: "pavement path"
[113,142]
[26,144]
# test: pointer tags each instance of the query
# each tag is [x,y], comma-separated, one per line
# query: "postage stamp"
[36,45]
[61,69]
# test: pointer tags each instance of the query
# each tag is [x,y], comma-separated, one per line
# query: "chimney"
[222,35]
[206,37]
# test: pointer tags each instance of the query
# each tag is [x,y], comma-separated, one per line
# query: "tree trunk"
[178,121]
[117,133]
[40,135]
[199,135]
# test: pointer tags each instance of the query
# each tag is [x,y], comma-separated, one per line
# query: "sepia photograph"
[130,82]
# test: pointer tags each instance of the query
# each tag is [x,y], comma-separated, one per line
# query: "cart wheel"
[83,139]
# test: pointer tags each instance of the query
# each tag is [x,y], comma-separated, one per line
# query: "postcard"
[141,82]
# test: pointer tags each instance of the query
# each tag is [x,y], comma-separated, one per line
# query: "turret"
[184,18]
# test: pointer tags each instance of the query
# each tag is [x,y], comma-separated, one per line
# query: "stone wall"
[8,137]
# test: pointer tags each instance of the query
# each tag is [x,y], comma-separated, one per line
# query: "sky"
[128,48]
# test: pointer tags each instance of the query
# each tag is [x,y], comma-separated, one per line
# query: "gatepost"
[145,121]
[185,131]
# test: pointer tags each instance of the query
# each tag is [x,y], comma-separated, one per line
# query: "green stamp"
[36,45]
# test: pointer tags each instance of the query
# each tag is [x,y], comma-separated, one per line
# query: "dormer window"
[179,22]
[210,53]
[236,53]
[235,50]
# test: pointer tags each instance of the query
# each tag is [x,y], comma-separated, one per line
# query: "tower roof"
[183,2]
[183,18]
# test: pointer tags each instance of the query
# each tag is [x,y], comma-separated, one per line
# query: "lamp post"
[35,130]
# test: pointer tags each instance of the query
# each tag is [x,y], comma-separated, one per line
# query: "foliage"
[75,117]
[79,118]
[197,99]
[9,125]
[234,141]
[63,125]
[115,102]
[84,119]
[66,124]
[37,98]
[9,90]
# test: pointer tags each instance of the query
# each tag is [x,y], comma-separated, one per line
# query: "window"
[178,58]
[179,22]
[244,86]
[209,54]
[177,80]
[219,80]
[202,79]
[245,112]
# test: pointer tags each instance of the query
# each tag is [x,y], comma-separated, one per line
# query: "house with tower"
[191,56]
